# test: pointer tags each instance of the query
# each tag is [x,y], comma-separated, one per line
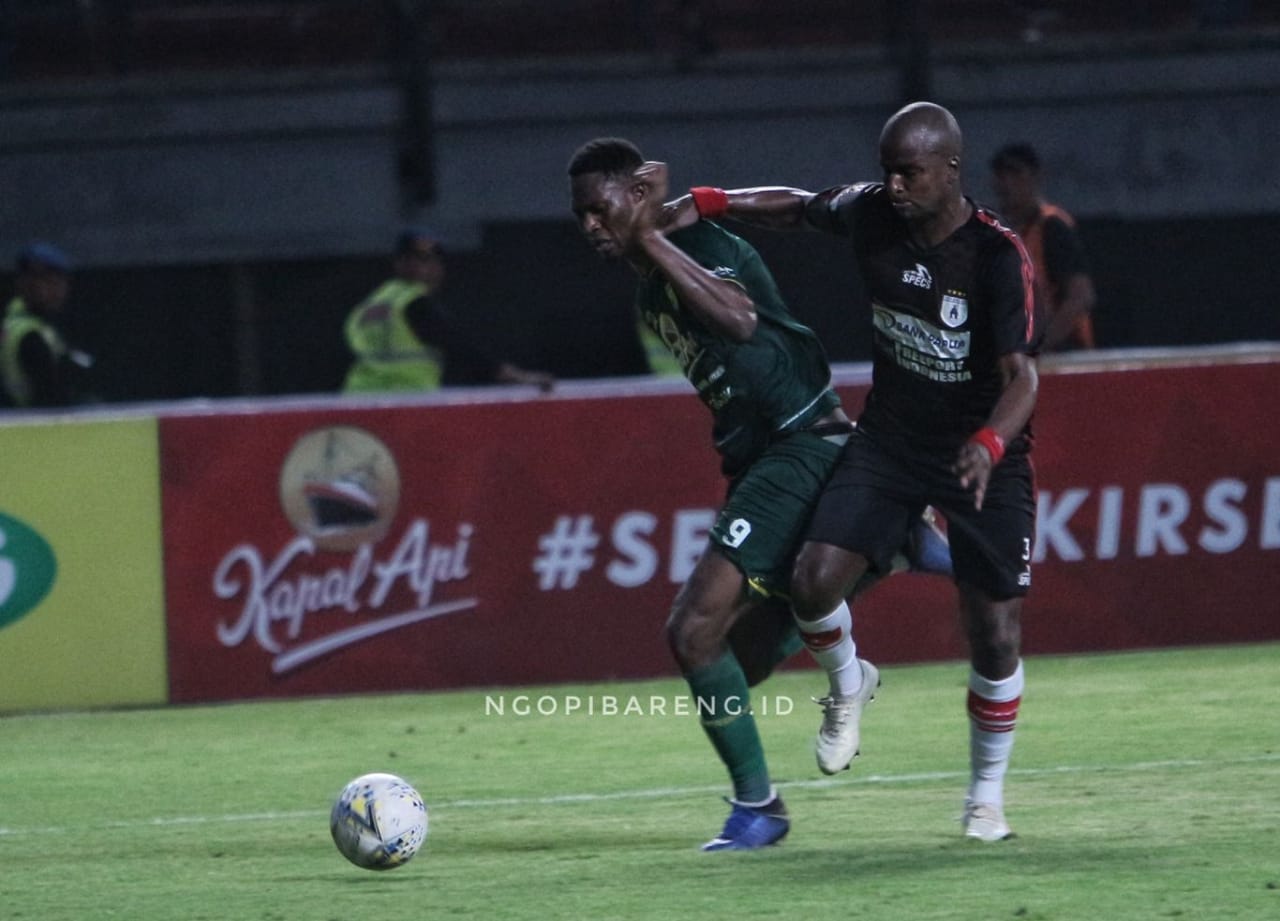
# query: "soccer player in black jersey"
[778,428]
[947,421]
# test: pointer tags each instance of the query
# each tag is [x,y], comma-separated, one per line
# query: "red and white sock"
[830,642]
[993,711]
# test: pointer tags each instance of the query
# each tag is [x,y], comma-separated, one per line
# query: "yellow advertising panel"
[81,590]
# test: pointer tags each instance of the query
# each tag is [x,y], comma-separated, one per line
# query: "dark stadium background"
[211,316]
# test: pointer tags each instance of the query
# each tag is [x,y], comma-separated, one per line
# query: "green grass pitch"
[1144,786]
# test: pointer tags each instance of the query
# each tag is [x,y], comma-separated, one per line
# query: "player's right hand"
[973,466]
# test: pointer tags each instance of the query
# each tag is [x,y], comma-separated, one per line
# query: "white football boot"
[838,738]
[985,822]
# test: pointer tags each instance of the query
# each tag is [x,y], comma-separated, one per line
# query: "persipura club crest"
[955,309]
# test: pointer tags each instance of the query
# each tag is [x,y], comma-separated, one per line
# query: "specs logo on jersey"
[919,276]
[955,309]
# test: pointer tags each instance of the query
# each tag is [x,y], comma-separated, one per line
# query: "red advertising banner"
[1159,508]
[337,547]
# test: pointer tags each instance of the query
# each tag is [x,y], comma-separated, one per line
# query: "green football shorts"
[767,510]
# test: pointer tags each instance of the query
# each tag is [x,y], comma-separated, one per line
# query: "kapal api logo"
[328,588]
[341,487]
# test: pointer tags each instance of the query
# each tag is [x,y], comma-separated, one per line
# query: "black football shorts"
[875,495]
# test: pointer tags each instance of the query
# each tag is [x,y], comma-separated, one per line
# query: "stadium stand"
[43,39]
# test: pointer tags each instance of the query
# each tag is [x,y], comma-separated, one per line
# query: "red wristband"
[710,201]
[990,439]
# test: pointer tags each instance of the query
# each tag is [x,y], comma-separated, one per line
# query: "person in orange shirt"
[1063,280]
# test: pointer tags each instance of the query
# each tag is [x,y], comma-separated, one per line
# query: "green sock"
[722,702]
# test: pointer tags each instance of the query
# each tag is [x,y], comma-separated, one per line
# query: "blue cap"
[43,255]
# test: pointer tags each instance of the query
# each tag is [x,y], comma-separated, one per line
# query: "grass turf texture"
[1144,785]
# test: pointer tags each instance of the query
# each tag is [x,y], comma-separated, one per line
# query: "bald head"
[924,128]
[920,156]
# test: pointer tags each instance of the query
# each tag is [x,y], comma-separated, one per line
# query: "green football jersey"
[778,381]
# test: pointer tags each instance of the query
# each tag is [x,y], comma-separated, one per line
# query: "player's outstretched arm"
[772,207]
[678,214]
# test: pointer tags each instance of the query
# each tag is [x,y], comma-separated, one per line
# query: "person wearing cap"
[37,368]
[402,336]
[1063,280]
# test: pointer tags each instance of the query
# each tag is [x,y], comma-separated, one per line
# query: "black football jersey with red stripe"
[943,317]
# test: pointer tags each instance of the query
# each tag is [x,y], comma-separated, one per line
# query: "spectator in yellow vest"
[401,335]
[37,367]
[1064,283]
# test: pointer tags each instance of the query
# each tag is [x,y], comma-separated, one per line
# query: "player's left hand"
[973,467]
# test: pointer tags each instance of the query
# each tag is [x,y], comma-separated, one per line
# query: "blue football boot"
[927,548]
[751,827]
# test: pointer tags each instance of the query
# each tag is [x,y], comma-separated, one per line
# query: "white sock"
[993,711]
[830,642]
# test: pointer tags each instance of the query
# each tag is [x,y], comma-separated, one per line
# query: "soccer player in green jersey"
[778,428]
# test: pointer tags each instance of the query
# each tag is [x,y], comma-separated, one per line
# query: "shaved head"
[920,150]
[925,127]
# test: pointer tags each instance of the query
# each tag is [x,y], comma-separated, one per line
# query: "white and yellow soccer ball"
[378,821]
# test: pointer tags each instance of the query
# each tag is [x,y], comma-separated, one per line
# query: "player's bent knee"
[693,638]
[818,585]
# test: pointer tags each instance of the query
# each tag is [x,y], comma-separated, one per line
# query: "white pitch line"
[567,799]
[924,777]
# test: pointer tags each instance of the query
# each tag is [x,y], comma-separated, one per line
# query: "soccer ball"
[378,821]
